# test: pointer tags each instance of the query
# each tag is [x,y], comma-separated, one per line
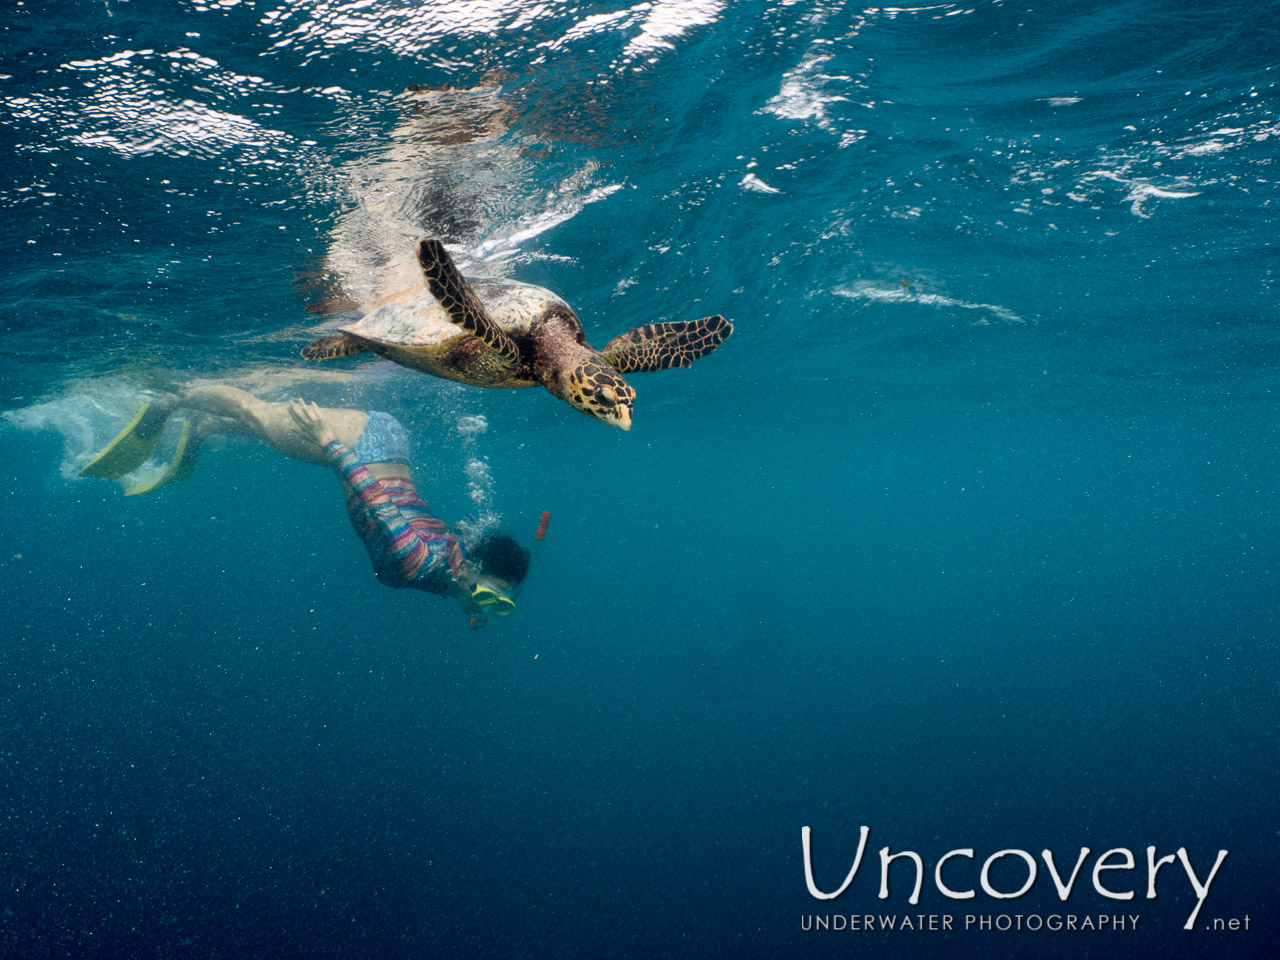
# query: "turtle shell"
[412,329]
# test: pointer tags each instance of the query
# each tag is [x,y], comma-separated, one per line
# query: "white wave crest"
[755,184]
[901,294]
[804,93]
[1140,191]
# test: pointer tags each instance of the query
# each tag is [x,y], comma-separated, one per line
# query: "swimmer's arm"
[406,549]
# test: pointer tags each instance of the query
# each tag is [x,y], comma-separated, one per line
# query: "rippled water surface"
[967,534]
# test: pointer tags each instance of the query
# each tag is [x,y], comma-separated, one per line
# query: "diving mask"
[491,600]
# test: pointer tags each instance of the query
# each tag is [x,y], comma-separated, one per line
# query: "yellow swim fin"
[185,456]
[125,453]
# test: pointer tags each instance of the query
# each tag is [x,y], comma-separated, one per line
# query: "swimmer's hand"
[311,421]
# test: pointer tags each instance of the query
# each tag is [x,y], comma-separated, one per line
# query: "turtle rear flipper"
[660,346]
[330,348]
[460,302]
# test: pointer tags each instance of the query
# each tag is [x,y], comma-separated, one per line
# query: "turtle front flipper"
[460,302]
[660,346]
[331,348]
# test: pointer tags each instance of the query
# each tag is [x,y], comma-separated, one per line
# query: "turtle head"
[598,390]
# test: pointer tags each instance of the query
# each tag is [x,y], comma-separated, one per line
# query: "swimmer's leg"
[241,412]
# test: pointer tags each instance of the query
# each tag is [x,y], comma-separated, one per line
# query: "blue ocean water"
[966,535]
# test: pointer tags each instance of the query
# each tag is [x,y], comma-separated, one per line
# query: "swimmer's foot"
[185,456]
[136,442]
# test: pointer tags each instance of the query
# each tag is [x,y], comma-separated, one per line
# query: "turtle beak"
[609,399]
[623,418]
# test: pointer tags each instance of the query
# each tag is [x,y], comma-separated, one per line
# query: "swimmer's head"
[500,556]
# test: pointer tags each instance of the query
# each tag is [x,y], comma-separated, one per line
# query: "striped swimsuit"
[408,546]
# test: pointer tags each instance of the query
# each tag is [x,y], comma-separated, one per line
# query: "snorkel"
[538,537]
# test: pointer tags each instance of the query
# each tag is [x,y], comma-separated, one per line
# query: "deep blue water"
[967,534]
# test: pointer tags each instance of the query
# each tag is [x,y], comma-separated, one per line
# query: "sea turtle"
[501,333]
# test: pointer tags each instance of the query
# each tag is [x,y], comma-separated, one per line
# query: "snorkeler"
[409,547]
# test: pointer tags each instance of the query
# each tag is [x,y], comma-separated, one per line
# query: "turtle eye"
[606,395]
